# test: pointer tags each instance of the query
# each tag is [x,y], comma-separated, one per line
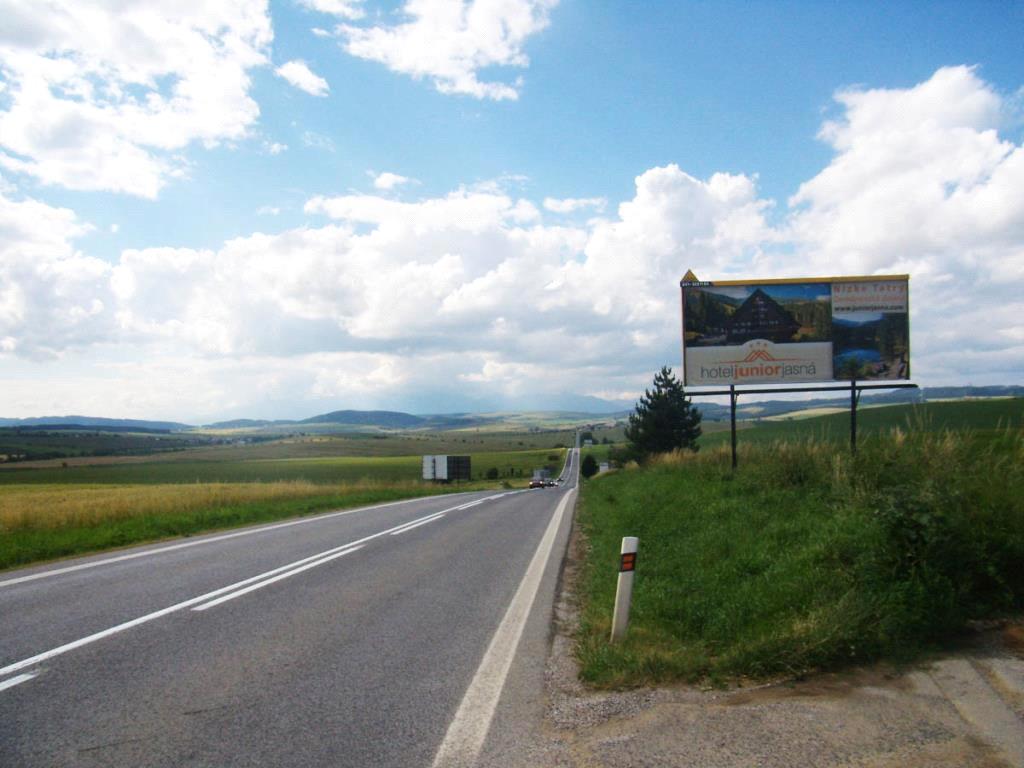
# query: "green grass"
[985,418]
[806,558]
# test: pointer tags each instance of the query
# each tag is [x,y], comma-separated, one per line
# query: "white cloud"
[452,41]
[573,204]
[102,98]
[345,9]
[51,296]
[388,181]
[921,183]
[477,288]
[302,77]
[274,147]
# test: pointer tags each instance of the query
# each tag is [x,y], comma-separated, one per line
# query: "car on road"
[536,483]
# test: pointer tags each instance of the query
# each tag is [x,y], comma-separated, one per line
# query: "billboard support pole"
[855,392]
[854,397]
[733,397]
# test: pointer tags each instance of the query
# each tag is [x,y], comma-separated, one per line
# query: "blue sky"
[447,192]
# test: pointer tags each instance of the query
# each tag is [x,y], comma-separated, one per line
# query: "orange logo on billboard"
[759,353]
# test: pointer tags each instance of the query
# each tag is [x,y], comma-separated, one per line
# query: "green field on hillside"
[90,446]
[985,418]
[807,557]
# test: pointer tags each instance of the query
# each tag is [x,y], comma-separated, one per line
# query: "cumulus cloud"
[922,183]
[302,77]
[381,296]
[52,297]
[99,97]
[345,9]
[451,41]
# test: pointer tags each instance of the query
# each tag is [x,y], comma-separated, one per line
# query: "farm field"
[52,511]
[334,469]
[985,418]
[42,522]
[357,445]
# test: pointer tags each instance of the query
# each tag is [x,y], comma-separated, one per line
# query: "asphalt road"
[348,639]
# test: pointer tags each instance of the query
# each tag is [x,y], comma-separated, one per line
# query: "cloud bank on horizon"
[479,296]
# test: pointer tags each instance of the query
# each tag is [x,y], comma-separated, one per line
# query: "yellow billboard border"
[693,282]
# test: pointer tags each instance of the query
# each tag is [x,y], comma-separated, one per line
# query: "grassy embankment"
[984,418]
[807,557]
[56,512]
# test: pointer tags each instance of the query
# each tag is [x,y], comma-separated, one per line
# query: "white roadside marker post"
[624,591]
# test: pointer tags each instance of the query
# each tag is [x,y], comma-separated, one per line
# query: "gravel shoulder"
[964,709]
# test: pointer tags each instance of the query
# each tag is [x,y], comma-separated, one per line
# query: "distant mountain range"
[353,420]
[119,425]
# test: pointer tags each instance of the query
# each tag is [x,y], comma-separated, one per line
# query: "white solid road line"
[468,729]
[62,649]
[197,542]
[5,684]
[285,575]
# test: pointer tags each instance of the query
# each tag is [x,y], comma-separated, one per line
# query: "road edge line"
[467,731]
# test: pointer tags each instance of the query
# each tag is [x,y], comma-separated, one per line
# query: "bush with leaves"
[588,468]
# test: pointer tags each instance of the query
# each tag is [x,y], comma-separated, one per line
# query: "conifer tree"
[664,419]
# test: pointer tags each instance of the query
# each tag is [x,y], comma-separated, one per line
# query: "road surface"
[387,636]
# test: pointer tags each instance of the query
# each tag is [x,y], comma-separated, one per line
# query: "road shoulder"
[963,709]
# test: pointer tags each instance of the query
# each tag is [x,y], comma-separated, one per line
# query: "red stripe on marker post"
[624,590]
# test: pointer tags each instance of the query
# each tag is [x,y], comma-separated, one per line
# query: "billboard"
[447,468]
[795,331]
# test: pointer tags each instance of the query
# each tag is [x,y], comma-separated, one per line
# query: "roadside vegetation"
[43,522]
[807,557]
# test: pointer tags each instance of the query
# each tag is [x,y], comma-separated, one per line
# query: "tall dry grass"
[51,507]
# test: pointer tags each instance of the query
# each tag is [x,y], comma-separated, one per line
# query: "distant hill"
[764,408]
[355,420]
[119,425]
[390,419]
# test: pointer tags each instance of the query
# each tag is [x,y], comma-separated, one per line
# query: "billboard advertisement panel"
[795,331]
